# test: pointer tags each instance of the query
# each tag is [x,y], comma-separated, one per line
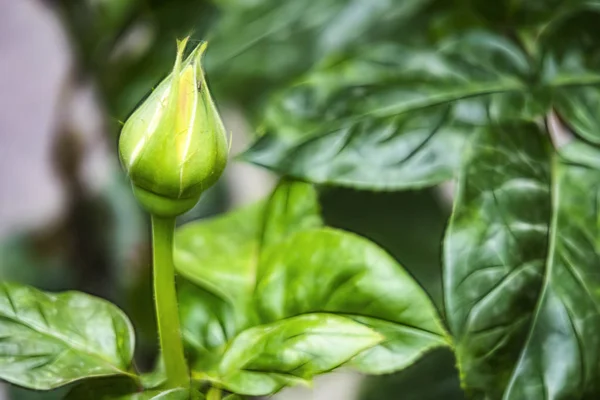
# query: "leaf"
[236,238]
[434,377]
[571,59]
[106,388]
[233,397]
[121,389]
[390,117]
[49,340]
[581,153]
[522,289]
[306,288]
[282,39]
[293,349]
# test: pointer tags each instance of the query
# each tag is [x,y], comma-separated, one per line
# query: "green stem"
[165,298]
[213,394]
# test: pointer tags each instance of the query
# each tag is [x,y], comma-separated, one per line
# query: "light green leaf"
[315,281]
[356,279]
[581,153]
[521,253]
[49,340]
[233,397]
[172,394]
[235,239]
[389,117]
[261,358]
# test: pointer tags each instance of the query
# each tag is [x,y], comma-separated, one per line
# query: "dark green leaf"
[570,47]
[434,377]
[522,289]
[260,44]
[314,281]
[49,340]
[121,389]
[103,389]
[390,117]
[495,251]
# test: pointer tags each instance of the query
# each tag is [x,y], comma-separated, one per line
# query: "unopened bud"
[174,145]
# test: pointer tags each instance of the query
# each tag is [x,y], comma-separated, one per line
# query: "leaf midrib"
[551,252]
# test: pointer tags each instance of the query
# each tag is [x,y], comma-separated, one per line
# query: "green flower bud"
[174,146]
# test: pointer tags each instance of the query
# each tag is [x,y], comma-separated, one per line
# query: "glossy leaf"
[522,289]
[391,117]
[307,288]
[49,340]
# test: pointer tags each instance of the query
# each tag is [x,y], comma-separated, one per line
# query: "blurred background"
[71,71]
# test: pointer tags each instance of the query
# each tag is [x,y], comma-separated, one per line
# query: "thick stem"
[165,298]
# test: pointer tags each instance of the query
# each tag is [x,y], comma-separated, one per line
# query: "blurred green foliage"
[261,48]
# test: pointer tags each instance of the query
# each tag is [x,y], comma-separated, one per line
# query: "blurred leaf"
[581,153]
[427,379]
[233,397]
[520,14]
[103,389]
[144,53]
[570,46]
[279,254]
[119,389]
[50,340]
[390,117]
[257,45]
[522,292]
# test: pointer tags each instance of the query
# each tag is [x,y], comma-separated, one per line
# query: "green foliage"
[394,117]
[372,95]
[256,46]
[108,391]
[281,299]
[522,291]
[50,340]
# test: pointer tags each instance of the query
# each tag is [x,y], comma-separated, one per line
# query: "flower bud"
[174,146]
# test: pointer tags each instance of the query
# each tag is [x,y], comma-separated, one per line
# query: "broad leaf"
[49,340]
[522,288]
[236,238]
[390,117]
[307,288]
